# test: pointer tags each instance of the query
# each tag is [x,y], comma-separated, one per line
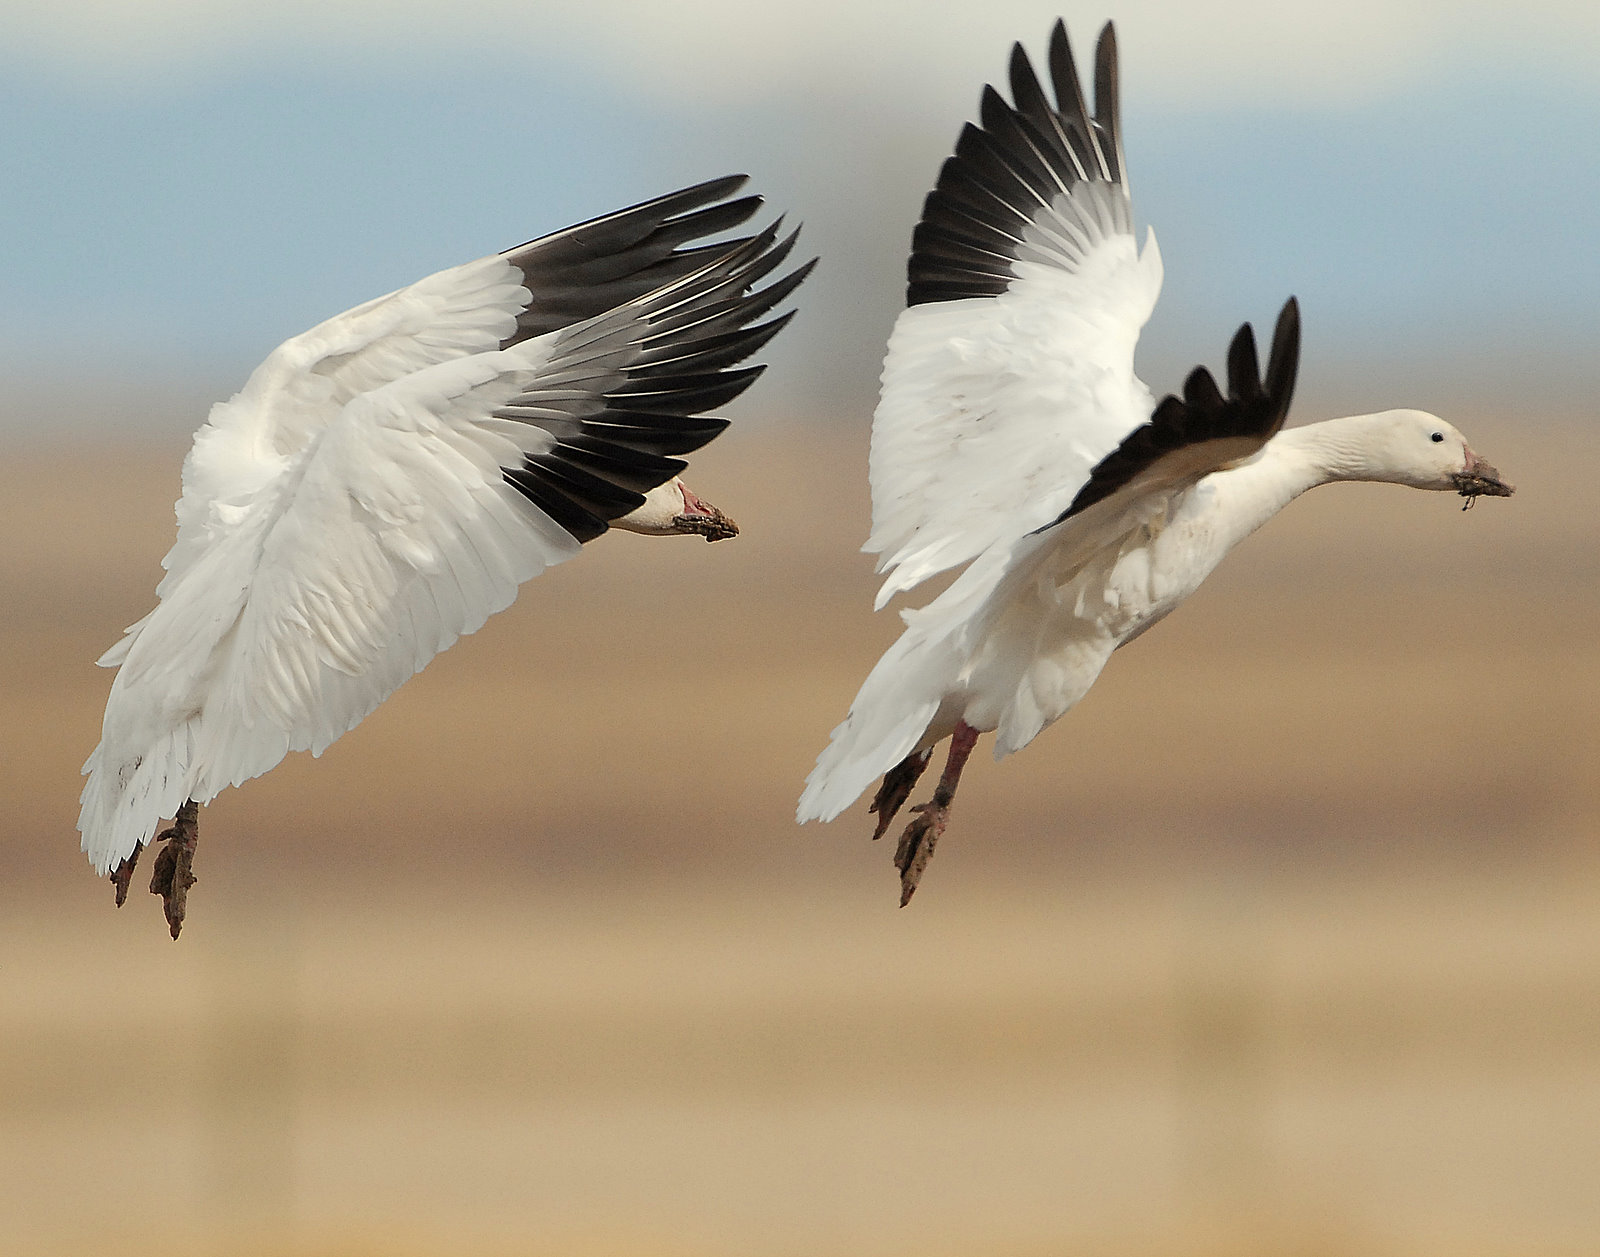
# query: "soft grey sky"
[190,181]
[732,51]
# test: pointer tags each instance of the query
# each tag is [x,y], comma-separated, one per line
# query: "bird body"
[1013,436]
[1022,635]
[384,482]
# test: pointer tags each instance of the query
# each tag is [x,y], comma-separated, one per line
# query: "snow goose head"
[673,508]
[1412,447]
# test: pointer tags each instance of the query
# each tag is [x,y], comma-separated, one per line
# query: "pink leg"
[917,843]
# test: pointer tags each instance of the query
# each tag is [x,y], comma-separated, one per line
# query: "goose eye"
[1437,437]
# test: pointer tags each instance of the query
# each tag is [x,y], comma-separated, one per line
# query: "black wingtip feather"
[594,266]
[1254,410]
[582,525]
[1200,391]
[713,352]
[634,470]
[709,220]
[1069,96]
[700,193]
[1009,168]
[598,494]
[1025,86]
[685,394]
[1107,99]
[656,433]
[1244,368]
[1283,362]
[625,385]
[719,316]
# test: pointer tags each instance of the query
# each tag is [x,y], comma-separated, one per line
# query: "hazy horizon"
[189,188]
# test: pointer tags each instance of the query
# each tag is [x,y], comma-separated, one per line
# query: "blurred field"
[1286,941]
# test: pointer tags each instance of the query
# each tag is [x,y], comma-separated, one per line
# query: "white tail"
[124,802]
[912,696]
[889,717]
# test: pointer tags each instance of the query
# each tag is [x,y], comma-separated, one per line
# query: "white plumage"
[1013,435]
[385,481]
[967,445]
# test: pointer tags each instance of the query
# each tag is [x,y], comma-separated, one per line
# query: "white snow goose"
[1012,435]
[385,481]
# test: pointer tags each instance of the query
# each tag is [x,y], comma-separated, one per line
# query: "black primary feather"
[1007,171]
[1253,409]
[587,269]
[661,333]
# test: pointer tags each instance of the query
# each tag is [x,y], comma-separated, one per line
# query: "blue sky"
[187,185]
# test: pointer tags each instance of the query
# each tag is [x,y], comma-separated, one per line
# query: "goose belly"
[1159,564]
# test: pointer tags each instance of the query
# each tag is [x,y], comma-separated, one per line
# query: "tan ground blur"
[1286,941]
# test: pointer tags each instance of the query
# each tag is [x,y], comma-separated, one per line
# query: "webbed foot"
[173,873]
[897,785]
[916,845]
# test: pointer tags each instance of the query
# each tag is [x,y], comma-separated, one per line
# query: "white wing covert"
[1010,374]
[535,288]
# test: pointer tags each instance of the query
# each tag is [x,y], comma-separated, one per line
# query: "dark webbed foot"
[915,848]
[897,785]
[123,874]
[172,875]
[699,516]
[713,525]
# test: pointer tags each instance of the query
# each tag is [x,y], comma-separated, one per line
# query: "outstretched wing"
[599,269]
[326,574]
[624,392]
[535,288]
[430,499]
[1010,374]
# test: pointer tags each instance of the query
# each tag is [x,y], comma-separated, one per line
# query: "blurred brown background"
[1286,941]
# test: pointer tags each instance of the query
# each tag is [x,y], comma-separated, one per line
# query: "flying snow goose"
[386,480]
[1013,436]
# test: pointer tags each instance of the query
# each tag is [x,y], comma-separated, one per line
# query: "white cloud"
[727,51]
